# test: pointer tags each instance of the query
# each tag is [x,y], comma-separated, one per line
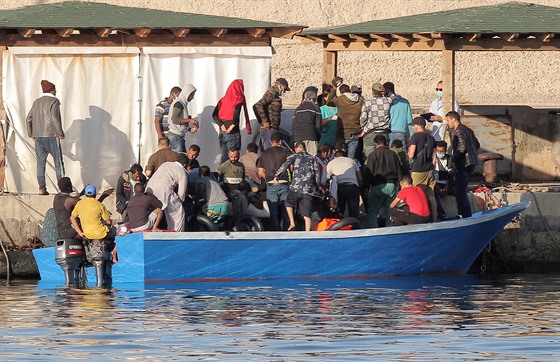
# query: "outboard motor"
[99,255]
[70,255]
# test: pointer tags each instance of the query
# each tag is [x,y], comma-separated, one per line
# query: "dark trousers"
[349,195]
[462,177]
[403,216]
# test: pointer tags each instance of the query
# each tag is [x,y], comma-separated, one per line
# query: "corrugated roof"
[82,15]
[513,17]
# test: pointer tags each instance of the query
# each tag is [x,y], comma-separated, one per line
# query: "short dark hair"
[454,115]
[380,140]
[275,137]
[204,170]
[389,86]
[136,168]
[327,147]
[139,188]
[397,144]
[441,144]
[345,88]
[340,153]
[252,147]
[233,149]
[164,141]
[183,159]
[175,90]
[195,148]
[407,179]
[341,145]
[65,185]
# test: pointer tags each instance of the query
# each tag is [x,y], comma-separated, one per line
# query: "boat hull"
[446,247]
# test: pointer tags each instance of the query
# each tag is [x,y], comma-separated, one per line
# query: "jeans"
[43,147]
[276,195]
[462,177]
[380,197]
[265,137]
[352,143]
[227,141]
[349,194]
[177,143]
[399,136]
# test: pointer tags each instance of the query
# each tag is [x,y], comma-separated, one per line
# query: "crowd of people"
[344,146]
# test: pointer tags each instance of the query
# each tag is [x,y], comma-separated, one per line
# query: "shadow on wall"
[102,150]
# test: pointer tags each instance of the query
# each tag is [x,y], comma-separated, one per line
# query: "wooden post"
[448,78]
[3,127]
[330,59]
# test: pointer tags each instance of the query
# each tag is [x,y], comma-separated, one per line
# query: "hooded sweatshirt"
[349,110]
[179,111]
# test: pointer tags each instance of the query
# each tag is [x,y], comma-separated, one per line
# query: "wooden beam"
[26,33]
[64,32]
[381,37]
[546,37]
[330,65]
[510,38]
[180,32]
[256,32]
[339,38]
[473,37]
[422,37]
[387,46]
[448,78]
[142,32]
[316,38]
[285,33]
[358,37]
[401,37]
[218,33]
[103,32]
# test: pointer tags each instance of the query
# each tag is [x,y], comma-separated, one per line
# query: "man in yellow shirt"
[95,221]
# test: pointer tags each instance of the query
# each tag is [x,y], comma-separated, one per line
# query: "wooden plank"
[103,32]
[510,38]
[387,46]
[256,32]
[448,78]
[180,32]
[422,37]
[142,32]
[402,37]
[339,38]
[26,33]
[473,37]
[358,37]
[218,33]
[546,38]
[330,65]
[64,32]
[381,37]
[499,44]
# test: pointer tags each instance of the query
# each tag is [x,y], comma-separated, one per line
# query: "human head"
[337,81]
[282,85]
[204,171]
[299,146]
[397,144]
[252,148]
[357,89]
[163,142]
[90,190]
[453,119]
[183,160]
[47,87]
[406,180]
[324,151]
[344,88]
[380,141]
[174,93]
[65,185]
[233,155]
[339,153]
[136,171]
[341,145]
[275,139]
[418,124]
[389,88]
[193,152]
[310,94]
[441,149]
[377,89]
[439,89]
[139,188]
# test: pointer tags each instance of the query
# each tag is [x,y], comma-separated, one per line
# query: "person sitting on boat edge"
[144,210]
[210,197]
[410,206]
[95,221]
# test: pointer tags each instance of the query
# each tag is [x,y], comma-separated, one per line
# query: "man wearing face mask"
[436,108]
[268,111]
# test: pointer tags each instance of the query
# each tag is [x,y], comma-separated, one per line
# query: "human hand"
[108,192]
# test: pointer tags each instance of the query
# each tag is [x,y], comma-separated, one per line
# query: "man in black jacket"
[464,148]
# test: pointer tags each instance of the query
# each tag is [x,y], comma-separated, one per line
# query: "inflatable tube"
[203,223]
[355,223]
[247,223]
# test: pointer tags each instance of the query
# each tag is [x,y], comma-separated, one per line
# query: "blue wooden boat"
[443,247]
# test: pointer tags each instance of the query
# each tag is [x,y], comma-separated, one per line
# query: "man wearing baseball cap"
[268,111]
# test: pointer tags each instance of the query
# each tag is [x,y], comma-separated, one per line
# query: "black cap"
[284,82]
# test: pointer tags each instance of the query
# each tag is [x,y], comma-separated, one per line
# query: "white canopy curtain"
[108,96]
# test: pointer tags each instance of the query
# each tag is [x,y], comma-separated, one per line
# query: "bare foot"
[291,228]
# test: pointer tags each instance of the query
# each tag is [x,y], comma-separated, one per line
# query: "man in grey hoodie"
[44,126]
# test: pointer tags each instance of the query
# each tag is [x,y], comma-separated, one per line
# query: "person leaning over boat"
[381,174]
[464,148]
[125,188]
[144,210]
[163,154]
[410,206]
[169,185]
[210,197]
[305,178]
[94,220]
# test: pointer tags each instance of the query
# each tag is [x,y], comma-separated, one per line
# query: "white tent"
[108,97]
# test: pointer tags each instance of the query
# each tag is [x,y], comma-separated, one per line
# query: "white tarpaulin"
[108,101]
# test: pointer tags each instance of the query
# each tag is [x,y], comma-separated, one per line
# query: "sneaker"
[43,192]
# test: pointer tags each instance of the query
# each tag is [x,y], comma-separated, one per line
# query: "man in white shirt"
[436,108]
